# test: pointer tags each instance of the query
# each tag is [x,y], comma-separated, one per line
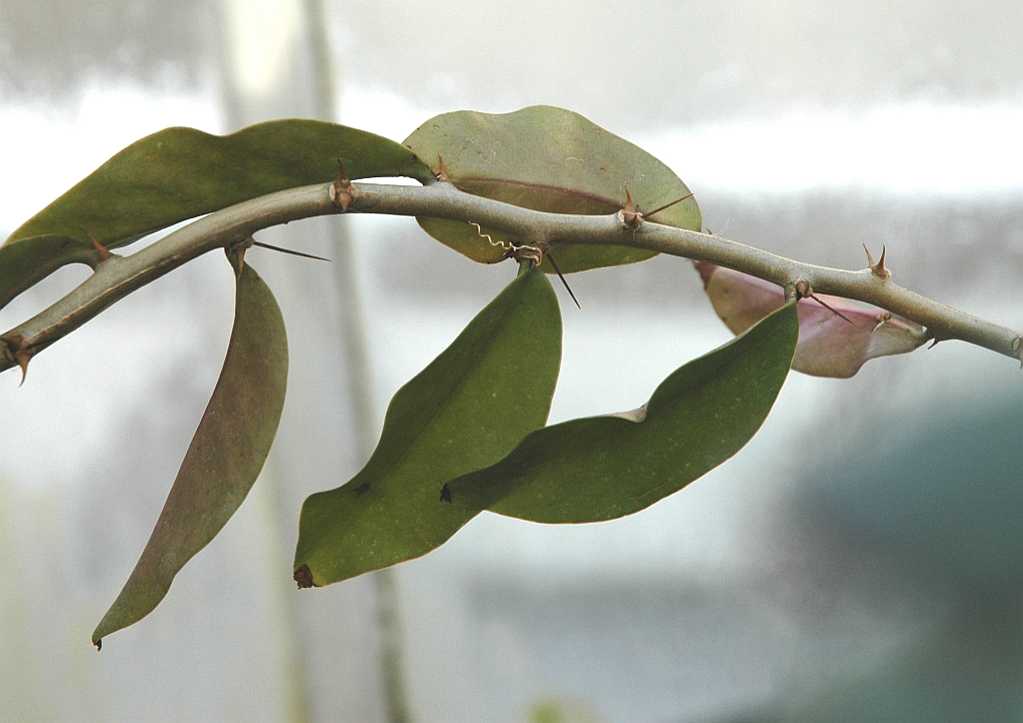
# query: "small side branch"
[118,277]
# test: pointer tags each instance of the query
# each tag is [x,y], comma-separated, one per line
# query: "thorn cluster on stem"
[342,192]
[630,215]
[877,268]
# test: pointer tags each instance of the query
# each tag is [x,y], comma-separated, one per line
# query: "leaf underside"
[546,159]
[600,468]
[465,410]
[224,458]
[180,173]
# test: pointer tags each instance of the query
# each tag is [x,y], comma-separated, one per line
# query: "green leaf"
[467,409]
[224,458]
[179,173]
[600,468]
[546,159]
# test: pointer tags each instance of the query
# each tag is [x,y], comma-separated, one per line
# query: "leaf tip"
[304,577]
[98,642]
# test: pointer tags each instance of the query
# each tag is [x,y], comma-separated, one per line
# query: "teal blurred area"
[935,505]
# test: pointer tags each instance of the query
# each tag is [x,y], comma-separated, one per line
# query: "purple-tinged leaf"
[829,346]
[224,458]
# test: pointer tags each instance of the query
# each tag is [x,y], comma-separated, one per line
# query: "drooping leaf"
[468,408]
[179,173]
[224,458]
[829,346]
[546,159]
[600,468]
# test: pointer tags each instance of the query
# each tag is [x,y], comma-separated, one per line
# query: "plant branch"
[118,276]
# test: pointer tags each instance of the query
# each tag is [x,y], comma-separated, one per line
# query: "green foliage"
[224,458]
[179,173]
[599,468]
[469,407]
[467,433]
[547,159]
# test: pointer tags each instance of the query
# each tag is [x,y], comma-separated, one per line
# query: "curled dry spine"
[517,251]
[534,253]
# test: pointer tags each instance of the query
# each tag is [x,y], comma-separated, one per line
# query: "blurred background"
[860,560]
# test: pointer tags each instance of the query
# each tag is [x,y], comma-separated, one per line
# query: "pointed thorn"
[103,251]
[23,358]
[870,256]
[98,644]
[882,319]
[934,342]
[879,269]
[668,205]
[834,311]
[445,494]
[342,179]
[289,251]
[563,280]
[629,214]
